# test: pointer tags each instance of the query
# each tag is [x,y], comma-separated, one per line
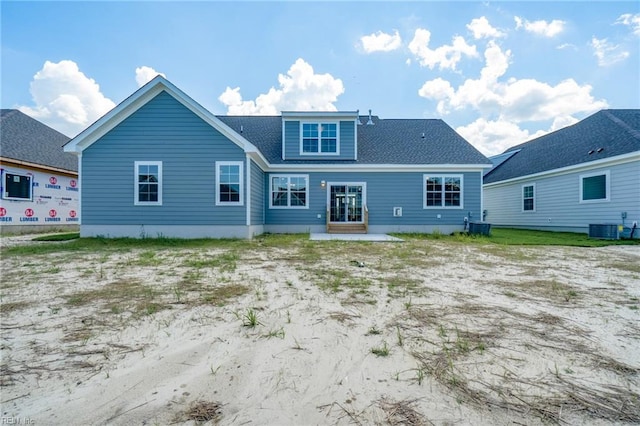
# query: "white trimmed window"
[442,191]
[289,191]
[594,187]
[17,186]
[529,198]
[319,138]
[148,183]
[229,183]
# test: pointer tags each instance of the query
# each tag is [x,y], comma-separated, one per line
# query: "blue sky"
[499,73]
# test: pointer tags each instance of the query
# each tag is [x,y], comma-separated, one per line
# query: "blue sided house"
[159,164]
[582,178]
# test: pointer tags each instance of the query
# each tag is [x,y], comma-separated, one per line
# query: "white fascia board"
[27,164]
[375,167]
[140,98]
[605,162]
[259,159]
[318,114]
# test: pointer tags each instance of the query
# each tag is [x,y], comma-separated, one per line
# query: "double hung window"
[443,191]
[148,183]
[289,191]
[528,198]
[319,138]
[229,183]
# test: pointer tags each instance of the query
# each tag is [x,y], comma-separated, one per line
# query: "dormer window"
[319,138]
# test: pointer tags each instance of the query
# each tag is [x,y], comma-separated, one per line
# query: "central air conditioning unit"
[604,231]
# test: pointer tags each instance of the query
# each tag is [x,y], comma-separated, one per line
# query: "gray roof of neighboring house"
[605,134]
[388,141]
[26,139]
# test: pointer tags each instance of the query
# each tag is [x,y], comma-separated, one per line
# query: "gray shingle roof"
[26,139]
[616,131]
[388,141]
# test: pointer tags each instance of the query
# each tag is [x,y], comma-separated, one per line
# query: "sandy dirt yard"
[284,331]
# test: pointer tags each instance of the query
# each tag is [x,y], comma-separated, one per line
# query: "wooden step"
[346,228]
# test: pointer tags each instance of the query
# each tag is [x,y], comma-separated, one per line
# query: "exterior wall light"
[323,184]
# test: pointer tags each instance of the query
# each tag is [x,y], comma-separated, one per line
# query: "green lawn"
[500,236]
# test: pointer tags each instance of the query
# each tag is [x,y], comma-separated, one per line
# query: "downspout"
[248,195]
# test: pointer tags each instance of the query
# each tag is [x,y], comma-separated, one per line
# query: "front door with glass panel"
[346,202]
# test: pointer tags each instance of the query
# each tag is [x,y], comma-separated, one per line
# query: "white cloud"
[381,42]
[145,74]
[520,100]
[607,53]
[503,105]
[543,28]
[494,137]
[561,122]
[566,46]
[65,99]
[301,89]
[481,28]
[630,20]
[446,57]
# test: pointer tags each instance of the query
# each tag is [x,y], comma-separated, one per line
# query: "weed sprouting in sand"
[279,333]
[373,331]
[399,336]
[250,318]
[381,350]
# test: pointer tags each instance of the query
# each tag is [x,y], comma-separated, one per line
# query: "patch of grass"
[381,350]
[148,258]
[250,318]
[522,237]
[630,266]
[329,279]
[373,331]
[192,280]
[506,236]
[400,285]
[550,289]
[58,237]
[276,333]
[7,308]
[220,295]
[123,245]
[226,261]
[120,295]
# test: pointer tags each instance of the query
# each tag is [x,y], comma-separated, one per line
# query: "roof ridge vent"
[370,122]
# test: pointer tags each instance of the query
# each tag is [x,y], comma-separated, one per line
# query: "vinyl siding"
[292,142]
[257,195]
[384,192]
[162,130]
[557,201]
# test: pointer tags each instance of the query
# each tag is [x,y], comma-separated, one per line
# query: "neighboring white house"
[581,175]
[39,181]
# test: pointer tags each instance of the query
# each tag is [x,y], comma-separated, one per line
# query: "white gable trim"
[136,101]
